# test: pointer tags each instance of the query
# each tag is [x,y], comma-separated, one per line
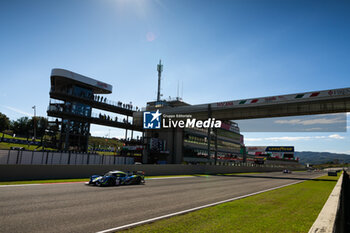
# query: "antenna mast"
[177,96]
[159,69]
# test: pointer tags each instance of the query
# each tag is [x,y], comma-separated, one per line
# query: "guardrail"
[23,157]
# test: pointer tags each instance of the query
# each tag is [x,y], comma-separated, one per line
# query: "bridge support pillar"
[209,133]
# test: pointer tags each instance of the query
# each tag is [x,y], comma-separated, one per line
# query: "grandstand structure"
[72,99]
[192,145]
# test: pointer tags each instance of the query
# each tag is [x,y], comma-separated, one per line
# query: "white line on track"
[173,177]
[24,185]
[192,209]
[74,182]
[17,185]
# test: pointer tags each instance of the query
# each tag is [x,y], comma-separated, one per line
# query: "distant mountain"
[321,157]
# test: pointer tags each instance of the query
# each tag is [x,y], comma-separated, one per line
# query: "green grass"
[107,153]
[7,146]
[290,209]
[8,136]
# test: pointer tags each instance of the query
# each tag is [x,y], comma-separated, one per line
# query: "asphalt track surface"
[76,207]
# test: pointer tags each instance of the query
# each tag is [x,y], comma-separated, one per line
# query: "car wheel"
[111,182]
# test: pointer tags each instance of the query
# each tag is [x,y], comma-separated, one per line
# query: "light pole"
[34,122]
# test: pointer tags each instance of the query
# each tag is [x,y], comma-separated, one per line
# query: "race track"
[76,207]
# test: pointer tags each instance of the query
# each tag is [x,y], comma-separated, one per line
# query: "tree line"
[23,126]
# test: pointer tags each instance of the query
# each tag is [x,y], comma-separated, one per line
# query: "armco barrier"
[35,172]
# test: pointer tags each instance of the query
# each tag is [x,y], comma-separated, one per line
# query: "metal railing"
[100,99]
[60,158]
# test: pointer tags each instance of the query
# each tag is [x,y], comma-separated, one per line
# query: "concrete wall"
[325,221]
[34,172]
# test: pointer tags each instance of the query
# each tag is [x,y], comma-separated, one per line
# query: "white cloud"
[313,129]
[311,122]
[336,136]
[18,111]
[305,138]
[283,138]
[338,152]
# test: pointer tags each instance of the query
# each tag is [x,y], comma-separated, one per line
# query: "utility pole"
[34,121]
[159,69]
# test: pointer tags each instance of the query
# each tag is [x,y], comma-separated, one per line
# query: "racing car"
[112,178]
[287,171]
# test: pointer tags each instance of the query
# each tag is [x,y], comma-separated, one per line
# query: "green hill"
[321,157]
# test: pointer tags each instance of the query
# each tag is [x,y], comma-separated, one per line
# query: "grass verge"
[290,209]
[7,146]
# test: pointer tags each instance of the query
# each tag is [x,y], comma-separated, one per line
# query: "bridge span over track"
[307,103]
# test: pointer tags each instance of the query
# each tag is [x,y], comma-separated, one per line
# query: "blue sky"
[219,50]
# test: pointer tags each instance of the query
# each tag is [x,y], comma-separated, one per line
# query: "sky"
[217,50]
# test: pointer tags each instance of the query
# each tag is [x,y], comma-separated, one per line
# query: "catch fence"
[57,158]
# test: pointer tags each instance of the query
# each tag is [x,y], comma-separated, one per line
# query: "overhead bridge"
[307,103]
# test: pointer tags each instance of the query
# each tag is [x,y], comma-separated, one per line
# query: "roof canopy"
[61,76]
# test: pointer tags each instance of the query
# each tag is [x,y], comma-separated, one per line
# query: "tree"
[22,126]
[41,125]
[4,122]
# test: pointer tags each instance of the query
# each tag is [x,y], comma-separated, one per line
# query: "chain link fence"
[57,158]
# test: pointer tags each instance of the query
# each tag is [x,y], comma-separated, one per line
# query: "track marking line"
[75,182]
[192,209]
[174,177]
[16,185]
[23,185]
